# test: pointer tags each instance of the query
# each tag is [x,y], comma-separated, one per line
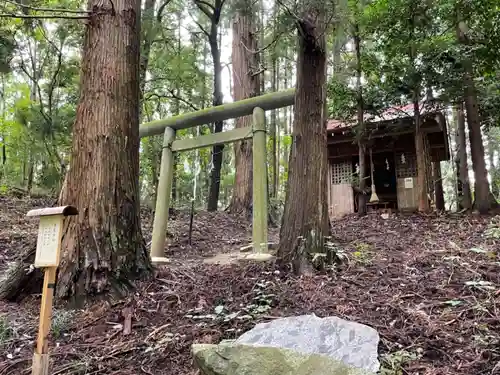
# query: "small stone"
[257,257]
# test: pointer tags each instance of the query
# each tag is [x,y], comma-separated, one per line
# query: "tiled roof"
[388,114]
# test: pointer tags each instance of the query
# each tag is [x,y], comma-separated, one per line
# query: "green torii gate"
[256,105]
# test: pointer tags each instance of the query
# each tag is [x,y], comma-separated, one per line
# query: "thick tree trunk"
[305,220]
[463,168]
[246,85]
[483,199]
[104,248]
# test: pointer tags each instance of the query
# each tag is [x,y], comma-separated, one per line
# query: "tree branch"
[162,7]
[201,28]
[23,6]
[204,9]
[265,47]
[205,3]
[42,16]
[172,96]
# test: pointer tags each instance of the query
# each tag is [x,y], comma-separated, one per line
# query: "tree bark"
[305,220]
[463,168]
[273,131]
[361,125]
[147,39]
[104,248]
[217,151]
[438,186]
[339,69]
[246,85]
[177,108]
[492,147]
[483,199]
[423,200]
[150,145]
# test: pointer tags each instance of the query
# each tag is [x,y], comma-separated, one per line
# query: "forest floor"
[430,285]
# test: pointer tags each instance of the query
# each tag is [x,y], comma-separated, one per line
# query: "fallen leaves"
[429,285]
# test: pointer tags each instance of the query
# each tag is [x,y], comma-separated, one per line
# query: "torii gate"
[256,105]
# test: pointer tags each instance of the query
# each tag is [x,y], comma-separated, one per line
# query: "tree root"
[21,279]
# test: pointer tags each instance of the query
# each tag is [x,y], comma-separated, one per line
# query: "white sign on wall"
[408,183]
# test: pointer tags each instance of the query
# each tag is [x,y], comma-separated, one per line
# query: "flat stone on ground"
[230,359]
[352,343]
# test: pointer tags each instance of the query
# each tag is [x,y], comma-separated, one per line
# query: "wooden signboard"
[48,253]
[48,246]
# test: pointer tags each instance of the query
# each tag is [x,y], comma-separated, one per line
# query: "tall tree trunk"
[492,148]
[261,42]
[246,85]
[456,160]
[217,151]
[149,144]
[104,248]
[438,185]
[423,200]
[31,172]
[483,199]
[2,136]
[177,107]
[277,153]
[339,71]
[273,130]
[361,124]
[146,42]
[305,220]
[286,118]
[463,168]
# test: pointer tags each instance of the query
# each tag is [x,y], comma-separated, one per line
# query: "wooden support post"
[41,356]
[212,139]
[47,256]
[163,199]
[259,227]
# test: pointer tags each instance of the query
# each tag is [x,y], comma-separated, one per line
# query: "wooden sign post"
[48,253]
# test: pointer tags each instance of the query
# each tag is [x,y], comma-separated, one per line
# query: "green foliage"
[61,322]
[363,253]
[6,51]
[261,303]
[38,97]
[393,363]
[6,331]
[493,231]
